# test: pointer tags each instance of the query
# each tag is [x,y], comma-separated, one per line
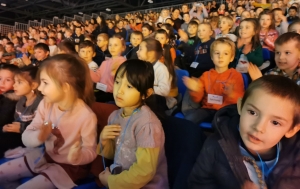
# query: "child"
[104,76]
[287,65]
[111,29]
[68,35]
[25,87]
[87,52]
[281,23]
[255,145]
[9,53]
[267,34]
[225,25]
[41,52]
[192,32]
[120,29]
[8,99]
[186,19]
[136,38]
[66,47]
[78,37]
[151,50]
[64,122]
[217,87]
[147,31]
[292,14]
[101,49]
[294,27]
[172,36]
[248,46]
[214,21]
[52,46]
[60,37]
[162,36]
[140,155]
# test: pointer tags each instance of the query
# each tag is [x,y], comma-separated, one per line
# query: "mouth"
[119,99]
[254,139]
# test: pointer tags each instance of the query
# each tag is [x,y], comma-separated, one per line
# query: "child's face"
[224,25]
[192,30]
[6,80]
[258,11]
[245,15]
[115,47]
[204,32]
[125,94]
[101,42]
[222,55]
[142,52]
[52,93]
[164,28]
[87,54]
[246,30]
[265,21]
[274,5]
[162,38]
[287,56]
[78,31]
[146,32]
[292,12]
[9,48]
[21,86]
[40,54]
[295,28]
[264,120]
[110,25]
[51,42]
[186,18]
[277,16]
[135,40]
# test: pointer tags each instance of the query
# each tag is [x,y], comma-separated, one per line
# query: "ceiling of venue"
[23,10]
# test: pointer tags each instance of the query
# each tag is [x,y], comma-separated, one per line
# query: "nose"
[260,125]
[40,88]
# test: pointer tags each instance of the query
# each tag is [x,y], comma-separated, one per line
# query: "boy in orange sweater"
[217,87]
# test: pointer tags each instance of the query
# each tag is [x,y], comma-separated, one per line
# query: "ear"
[94,54]
[293,131]
[149,93]
[47,53]
[66,87]
[232,58]
[34,85]
[239,106]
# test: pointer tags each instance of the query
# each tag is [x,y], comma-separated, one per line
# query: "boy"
[281,23]
[225,25]
[136,39]
[287,65]
[120,29]
[68,35]
[255,145]
[111,29]
[41,52]
[192,32]
[186,18]
[87,52]
[9,53]
[217,87]
[78,37]
[101,49]
[292,14]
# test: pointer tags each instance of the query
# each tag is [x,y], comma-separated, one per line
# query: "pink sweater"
[104,73]
[78,124]
[267,41]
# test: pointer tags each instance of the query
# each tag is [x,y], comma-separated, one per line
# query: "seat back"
[266,54]
[180,74]
[183,142]
[246,80]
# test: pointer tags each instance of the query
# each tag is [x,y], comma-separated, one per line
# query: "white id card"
[101,87]
[215,99]
[194,65]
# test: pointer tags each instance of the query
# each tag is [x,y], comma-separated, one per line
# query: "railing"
[86,17]
[68,19]
[5,29]
[33,23]
[57,21]
[21,26]
[76,17]
[46,22]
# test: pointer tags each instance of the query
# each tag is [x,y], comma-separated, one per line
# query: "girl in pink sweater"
[64,126]
[104,76]
[268,34]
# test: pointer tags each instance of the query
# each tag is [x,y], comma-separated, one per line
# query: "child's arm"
[140,173]
[196,87]
[270,38]
[96,76]
[173,54]
[163,85]
[255,56]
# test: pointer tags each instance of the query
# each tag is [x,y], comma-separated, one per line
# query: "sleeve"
[88,141]
[205,14]
[192,12]
[55,51]
[30,135]
[163,82]
[96,76]
[256,56]
[284,27]
[197,96]
[270,39]
[173,55]
[202,174]
[140,173]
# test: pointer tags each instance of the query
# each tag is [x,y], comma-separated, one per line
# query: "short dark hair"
[193,23]
[278,86]
[286,37]
[137,33]
[10,67]
[293,8]
[10,44]
[86,44]
[42,46]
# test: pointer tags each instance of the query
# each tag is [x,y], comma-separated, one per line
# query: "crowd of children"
[51,77]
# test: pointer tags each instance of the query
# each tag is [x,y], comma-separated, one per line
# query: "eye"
[117,82]
[276,123]
[129,87]
[251,112]
[287,53]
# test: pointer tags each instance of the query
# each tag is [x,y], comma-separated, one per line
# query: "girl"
[147,31]
[268,33]
[164,15]
[52,46]
[64,122]
[135,132]
[60,37]
[151,50]
[248,46]
[221,9]
[102,28]
[25,87]
[104,76]
[172,36]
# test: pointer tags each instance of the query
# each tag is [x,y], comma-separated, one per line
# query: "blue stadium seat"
[128,43]
[178,42]
[180,74]
[246,80]
[91,185]
[266,54]
[178,53]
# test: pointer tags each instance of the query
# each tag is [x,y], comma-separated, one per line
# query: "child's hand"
[254,72]
[13,128]
[193,84]
[74,152]
[183,35]
[103,177]
[45,131]
[229,90]
[283,18]
[250,185]
[25,59]
[109,132]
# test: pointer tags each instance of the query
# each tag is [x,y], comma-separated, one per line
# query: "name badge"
[76,40]
[194,65]
[215,99]
[101,87]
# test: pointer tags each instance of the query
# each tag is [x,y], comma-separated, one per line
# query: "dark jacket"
[100,55]
[220,163]
[8,103]
[130,52]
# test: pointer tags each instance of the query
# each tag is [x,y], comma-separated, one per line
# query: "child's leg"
[38,182]
[14,170]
